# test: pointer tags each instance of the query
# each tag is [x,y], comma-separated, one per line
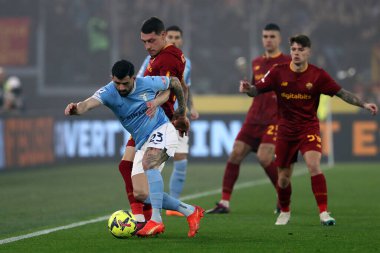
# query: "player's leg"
[318,185]
[240,150]
[156,154]
[178,176]
[125,168]
[286,156]
[265,155]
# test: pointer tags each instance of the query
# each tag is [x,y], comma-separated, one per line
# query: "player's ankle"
[225,203]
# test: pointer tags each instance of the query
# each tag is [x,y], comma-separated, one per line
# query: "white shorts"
[183,144]
[164,137]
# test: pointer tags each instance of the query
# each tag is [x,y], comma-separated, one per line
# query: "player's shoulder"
[315,68]
[281,66]
[258,59]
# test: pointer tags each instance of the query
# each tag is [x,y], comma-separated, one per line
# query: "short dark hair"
[301,39]
[174,28]
[122,69]
[153,24]
[272,27]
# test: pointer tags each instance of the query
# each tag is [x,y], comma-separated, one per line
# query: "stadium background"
[62,51]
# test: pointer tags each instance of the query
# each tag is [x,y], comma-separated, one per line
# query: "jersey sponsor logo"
[256,67]
[168,73]
[297,96]
[284,84]
[309,86]
[136,114]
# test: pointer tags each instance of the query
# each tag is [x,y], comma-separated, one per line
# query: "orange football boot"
[194,220]
[173,213]
[151,228]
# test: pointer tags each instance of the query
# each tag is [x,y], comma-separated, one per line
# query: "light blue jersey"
[130,110]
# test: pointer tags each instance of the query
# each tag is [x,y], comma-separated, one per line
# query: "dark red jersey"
[169,62]
[297,97]
[262,111]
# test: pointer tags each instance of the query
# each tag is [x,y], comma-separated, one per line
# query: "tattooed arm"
[352,99]
[175,84]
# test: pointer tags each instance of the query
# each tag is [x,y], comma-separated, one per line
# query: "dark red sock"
[231,174]
[284,197]
[125,168]
[272,173]
[147,210]
[318,185]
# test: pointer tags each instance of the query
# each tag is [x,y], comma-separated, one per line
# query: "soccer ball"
[122,224]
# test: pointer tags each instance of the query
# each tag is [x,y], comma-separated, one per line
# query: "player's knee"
[236,156]
[140,195]
[264,160]
[314,167]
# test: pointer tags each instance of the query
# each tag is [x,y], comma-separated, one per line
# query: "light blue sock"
[170,203]
[178,177]
[156,190]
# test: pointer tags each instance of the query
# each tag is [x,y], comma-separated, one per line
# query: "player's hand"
[245,86]
[152,108]
[371,107]
[194,114]
[71,109]
[182,124]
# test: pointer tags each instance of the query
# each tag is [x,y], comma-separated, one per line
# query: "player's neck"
[272,54]
[298,68]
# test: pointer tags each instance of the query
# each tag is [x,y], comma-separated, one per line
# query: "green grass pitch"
[46,198]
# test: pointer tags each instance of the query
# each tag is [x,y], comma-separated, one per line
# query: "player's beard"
[123,93]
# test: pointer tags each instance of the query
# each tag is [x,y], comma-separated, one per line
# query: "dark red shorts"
[253,135]
[287,150]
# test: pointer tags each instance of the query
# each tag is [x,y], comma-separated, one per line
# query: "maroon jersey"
[297,97]
[169,62]
[262,111]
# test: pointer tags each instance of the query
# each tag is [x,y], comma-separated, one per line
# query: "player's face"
[271,40]
[174,37]
[153,42]
[300,55]
[123,86]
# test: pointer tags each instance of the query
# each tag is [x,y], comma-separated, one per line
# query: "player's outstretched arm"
[158,101]
[354,100]
[175,84]
[81,107]
[249,89]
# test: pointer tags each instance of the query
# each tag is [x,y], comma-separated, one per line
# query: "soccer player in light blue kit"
[131,100]
[177,180]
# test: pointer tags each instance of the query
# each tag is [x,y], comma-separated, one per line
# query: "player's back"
[169,62]
[263,110]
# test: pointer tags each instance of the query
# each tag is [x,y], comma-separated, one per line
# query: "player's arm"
[180,121]
[152,105]
[247,88]
[176,86]
[190,105]
[185,90]
[352,99]
[82,107]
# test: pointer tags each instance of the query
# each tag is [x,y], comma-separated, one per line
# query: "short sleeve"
[327,84]
[157,83]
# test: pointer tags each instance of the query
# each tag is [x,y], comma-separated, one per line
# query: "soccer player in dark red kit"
[258,133]
[166,60]
[298,86]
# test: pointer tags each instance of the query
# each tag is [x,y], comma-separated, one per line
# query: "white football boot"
[326,219]
[283,218]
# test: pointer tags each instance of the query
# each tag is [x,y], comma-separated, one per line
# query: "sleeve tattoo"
[349,98]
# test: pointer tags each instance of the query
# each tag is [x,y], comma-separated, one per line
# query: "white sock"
[225,203]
